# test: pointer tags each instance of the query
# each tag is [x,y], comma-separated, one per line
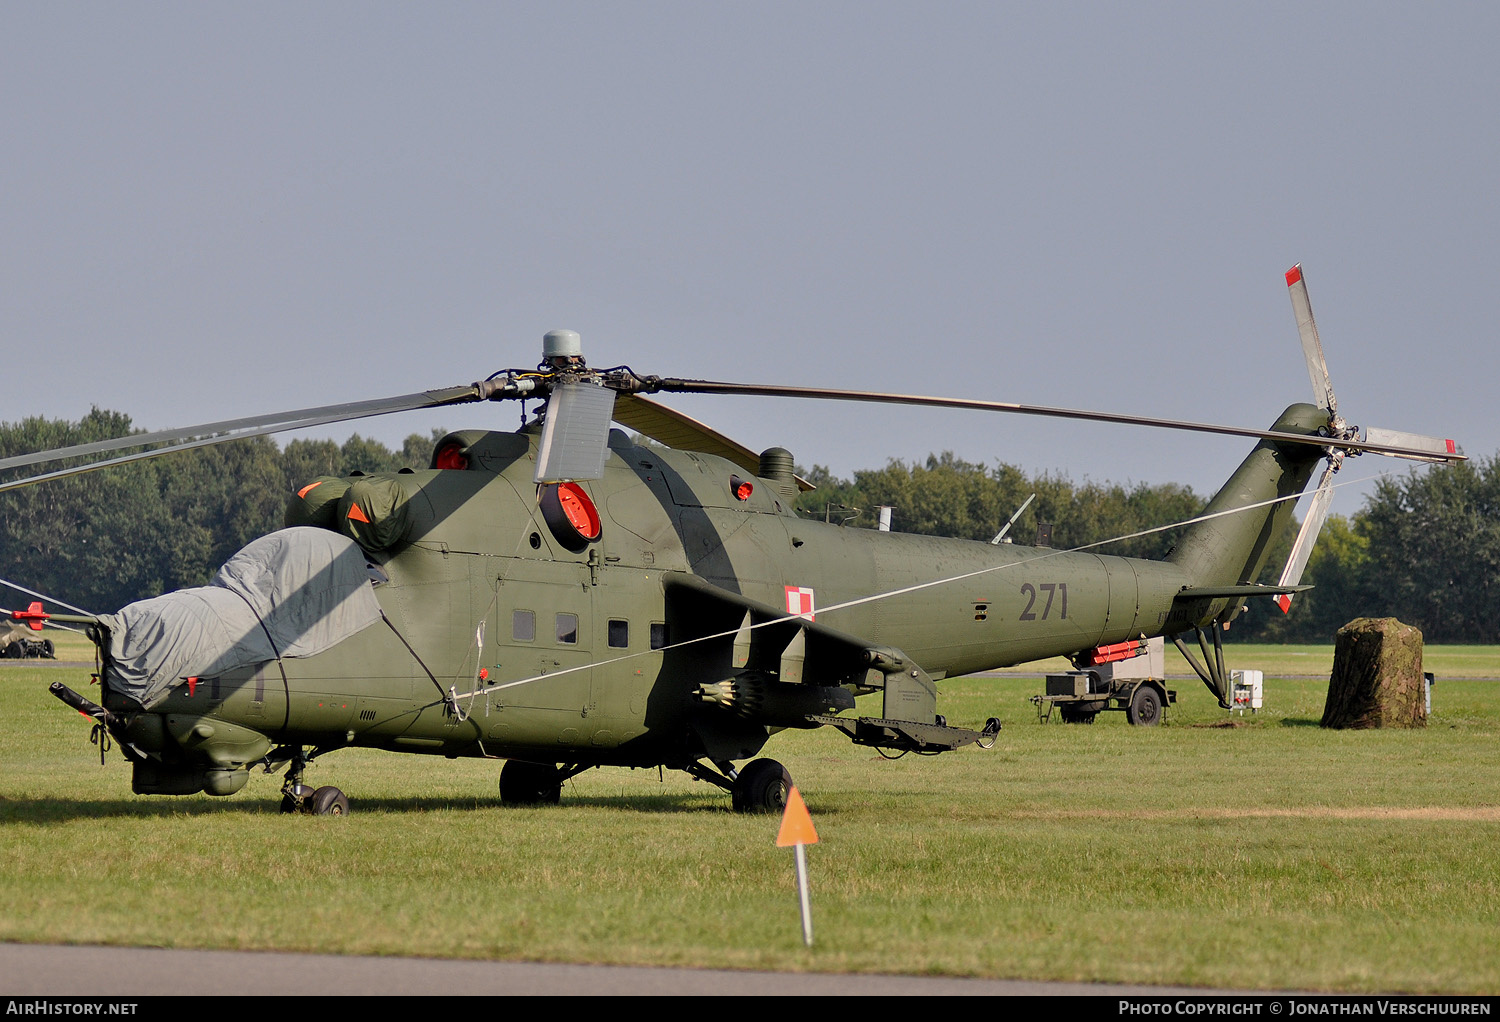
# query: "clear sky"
[218,209]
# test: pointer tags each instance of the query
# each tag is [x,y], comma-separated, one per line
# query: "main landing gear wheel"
[761,787]
[329,801]
[1145,707]
[530,784]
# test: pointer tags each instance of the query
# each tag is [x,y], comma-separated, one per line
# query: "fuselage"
[507,633]
[563,654]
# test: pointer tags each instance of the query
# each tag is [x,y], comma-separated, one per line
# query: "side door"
[540,642]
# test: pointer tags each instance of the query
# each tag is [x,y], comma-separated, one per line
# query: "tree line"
[1425,547]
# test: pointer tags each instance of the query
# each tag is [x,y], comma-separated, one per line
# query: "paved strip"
[39,970]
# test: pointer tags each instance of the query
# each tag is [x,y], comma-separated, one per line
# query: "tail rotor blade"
[1312,348]
[1302,548]
[1442,450]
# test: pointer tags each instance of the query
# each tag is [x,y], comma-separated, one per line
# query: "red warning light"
[741,488]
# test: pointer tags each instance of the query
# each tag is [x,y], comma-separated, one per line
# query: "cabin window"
[658,634]
[567,629]
[523,625]
[619,633]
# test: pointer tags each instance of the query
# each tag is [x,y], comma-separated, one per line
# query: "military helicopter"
[563,598]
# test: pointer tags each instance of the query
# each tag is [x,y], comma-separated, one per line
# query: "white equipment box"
[1247,688]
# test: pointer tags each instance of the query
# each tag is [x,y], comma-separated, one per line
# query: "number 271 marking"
[1052,590]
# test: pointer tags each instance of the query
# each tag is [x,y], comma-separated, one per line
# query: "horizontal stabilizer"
[1225,592]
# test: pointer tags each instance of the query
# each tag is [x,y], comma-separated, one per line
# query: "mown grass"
[1269,854]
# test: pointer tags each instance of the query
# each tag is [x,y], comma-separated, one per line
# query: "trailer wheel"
[1079,713]
[1145,707]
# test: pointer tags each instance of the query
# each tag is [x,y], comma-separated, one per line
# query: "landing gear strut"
[761,786]
[297,797]
[1214,675]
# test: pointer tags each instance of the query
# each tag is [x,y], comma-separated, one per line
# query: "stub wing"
[785,670]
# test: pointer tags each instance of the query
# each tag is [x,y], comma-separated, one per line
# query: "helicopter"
[563,597]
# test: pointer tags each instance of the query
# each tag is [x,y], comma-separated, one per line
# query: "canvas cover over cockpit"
[293,593]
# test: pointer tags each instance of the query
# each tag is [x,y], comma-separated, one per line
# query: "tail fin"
[1231,549]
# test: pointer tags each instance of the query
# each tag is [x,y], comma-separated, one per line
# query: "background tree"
[1433,553]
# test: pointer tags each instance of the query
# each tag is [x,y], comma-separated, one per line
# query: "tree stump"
[1377,676]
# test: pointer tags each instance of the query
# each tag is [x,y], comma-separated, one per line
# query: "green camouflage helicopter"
[563,598]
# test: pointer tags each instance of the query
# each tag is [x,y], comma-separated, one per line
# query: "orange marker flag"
[796,823]
[797,831]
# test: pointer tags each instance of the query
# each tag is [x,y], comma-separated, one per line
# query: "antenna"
[1006,527]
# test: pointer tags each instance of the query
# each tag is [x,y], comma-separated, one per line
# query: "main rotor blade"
[1302,547]
[1312,348]
[673,428]
[256,425]
[267,424]
[881,397]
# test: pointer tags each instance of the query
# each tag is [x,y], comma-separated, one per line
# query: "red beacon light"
[741,488]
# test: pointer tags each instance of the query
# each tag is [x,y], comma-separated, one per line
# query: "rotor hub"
[562,347]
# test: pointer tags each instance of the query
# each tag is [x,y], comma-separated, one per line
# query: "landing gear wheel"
[761,787]
[329,801]
[49,651]
[1080,713]
[295,798]
[1145,707]
[530,784]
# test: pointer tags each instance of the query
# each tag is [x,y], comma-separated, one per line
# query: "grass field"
[1266,854]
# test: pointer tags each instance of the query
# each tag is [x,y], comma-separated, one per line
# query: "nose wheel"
[297,797]
[324,801]
[329,801]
